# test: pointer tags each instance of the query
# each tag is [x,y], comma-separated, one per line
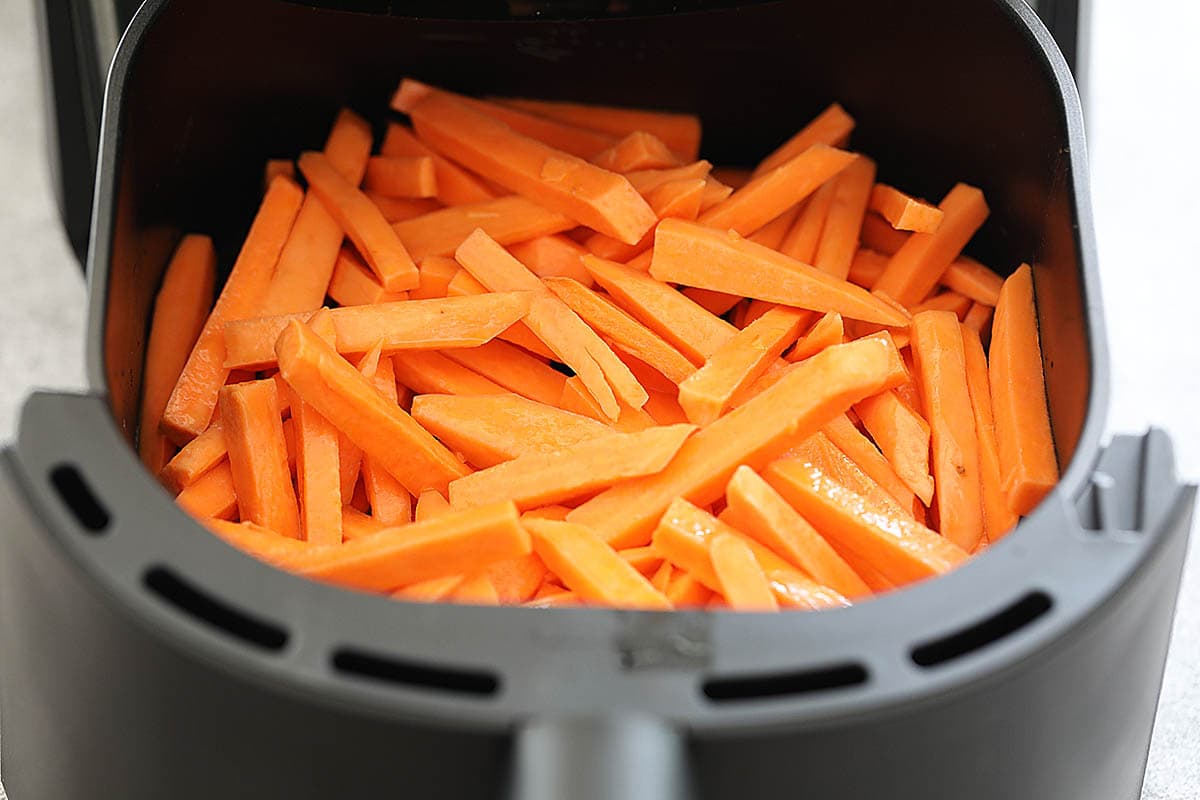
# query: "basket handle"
[627,756]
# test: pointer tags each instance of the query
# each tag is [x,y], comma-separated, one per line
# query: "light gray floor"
[1143,82]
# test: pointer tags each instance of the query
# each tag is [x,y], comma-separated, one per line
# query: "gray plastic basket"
[141,658]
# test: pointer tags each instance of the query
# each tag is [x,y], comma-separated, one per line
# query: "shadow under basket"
[142,658]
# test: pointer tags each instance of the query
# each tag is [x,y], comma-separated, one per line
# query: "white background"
[1142,92]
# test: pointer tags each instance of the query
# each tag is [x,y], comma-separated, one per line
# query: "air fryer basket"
[142,658]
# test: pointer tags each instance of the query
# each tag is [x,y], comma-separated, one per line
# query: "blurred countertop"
[1142,77]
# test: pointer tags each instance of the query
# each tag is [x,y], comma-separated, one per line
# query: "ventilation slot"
[779,684]
[420,676]
[198,603]
[981,634]
[77,495]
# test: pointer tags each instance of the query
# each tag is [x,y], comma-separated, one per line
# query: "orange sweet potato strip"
[455,186]
[552,257]
[436,274]
[901,549]
[675,199]
[803,238]
[401,176]
[715,303]
[998,518]
[452,544]
[353,283]
[318,477]
[645,560]
[512,368]
[180,309]
[689,253]
[945,301]
[920,262]
[429,372]
[811,394]
[1028,468]
[979,319]
[709,391]
[562,182]
[391,503]
[941,373]
[743,582]
[398,209]
[576,399]
[210,495]
[276,167]
[685,591]
[756,509]
[661,579]
[401,325]
[194,397]
[968,277]
[463,284]
[647,180]
[265,545]
[832,126]
[903,437]
[839,235]
[590,568]
[776,190]
[492,429]
[362,222]
[903,212]
[382,429]
[680,132]
[878,234]
[554,323]
[823,454]
[638,150]
[518,579]
[847,438]
[572,139]
[771,235]
[431,504]
[687,327]
[547,478]
[867,266]
[434,590]
[621,330]
[825,332]
[258,456]
[356,524]
[308,259]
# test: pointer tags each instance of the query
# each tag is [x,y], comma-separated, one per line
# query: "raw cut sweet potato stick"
[825,332]
[689,253]
[903,212]
[544,479]
[819,451]
[708,392]
[846,437]
[258,456]
[902,436]
[685,533]
[356,524]
[455,186]
[979,319]
[839,235]
[318,477]
[945,301]
[401,325]
[775,191]
[1024,440]
[512,368]
[576,399]
[431,504]
[757,510]
[815,391]
[507,220]
[452,544]
[391,503]
[554,323]
[998,518]
[436,274]
[194,397]
[693,331]
[398,209]
[937,347]
[968,277]
[919,264]
[803,238]
[621,330]
[562,182]
[743,582]
[429,372]
[382,429]
[674,199]
[180,308]
[266,545]
[490,430]
[638,150]
[434,590]
[353,284]
[901,549]
[831,127]
[475,589]
[308,259]
[401,176]
[210,495]
[362,222]
[680,132]
[590,568]
[572,139]
[771,235]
